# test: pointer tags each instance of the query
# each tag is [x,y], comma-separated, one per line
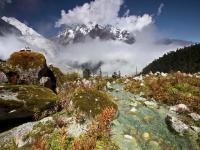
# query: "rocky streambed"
[142,124]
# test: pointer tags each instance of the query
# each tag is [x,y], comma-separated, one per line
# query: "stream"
[140,125]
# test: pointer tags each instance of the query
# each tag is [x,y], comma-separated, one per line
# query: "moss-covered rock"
[26,60]
[91,101]
[24,67]
[18,101]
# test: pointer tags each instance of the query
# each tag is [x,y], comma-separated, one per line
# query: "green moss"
[26,60]
[105,144]
[54,141]
[92,101]
[31,97]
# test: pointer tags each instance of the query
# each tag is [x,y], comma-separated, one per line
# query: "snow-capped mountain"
[79,33]
[6,28]
[31,38]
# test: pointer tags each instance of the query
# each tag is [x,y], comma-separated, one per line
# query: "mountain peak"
[25,30]
[78,33]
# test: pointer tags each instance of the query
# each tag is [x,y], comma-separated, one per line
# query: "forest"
[186,60]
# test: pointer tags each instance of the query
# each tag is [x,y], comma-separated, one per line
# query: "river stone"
[151,104]
[195,116]
[146,136]
[175,124]
[133,110]
[129,137]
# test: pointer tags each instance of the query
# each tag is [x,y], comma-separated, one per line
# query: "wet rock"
[129,137]
[133,110]
[195,117]
[133,104]
[175,124]
[180,108]
[151,104]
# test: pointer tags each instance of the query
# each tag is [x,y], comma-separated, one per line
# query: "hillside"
[186,60]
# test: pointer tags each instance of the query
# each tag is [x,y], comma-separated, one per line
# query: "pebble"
[128,137]
[146,136]
[133,110]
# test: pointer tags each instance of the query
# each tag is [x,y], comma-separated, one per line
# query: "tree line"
[186,60]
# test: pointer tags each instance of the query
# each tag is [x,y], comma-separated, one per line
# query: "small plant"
[59,122]
[39,144]
[98,130]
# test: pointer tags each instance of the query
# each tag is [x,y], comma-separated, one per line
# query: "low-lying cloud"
[115,55]
[9,44]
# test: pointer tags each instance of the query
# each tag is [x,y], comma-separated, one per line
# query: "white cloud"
[104,12]
[6,48]
[160,9]
[4,2]
[115,55]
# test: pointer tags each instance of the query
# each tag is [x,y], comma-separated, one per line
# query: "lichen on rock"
[26,99]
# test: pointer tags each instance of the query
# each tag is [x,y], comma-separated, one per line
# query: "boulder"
[28,67]
[180,108]
[22,101]
[176,125]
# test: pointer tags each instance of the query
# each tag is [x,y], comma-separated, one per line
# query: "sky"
[177,19]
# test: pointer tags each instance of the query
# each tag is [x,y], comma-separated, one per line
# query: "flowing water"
[140,125]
